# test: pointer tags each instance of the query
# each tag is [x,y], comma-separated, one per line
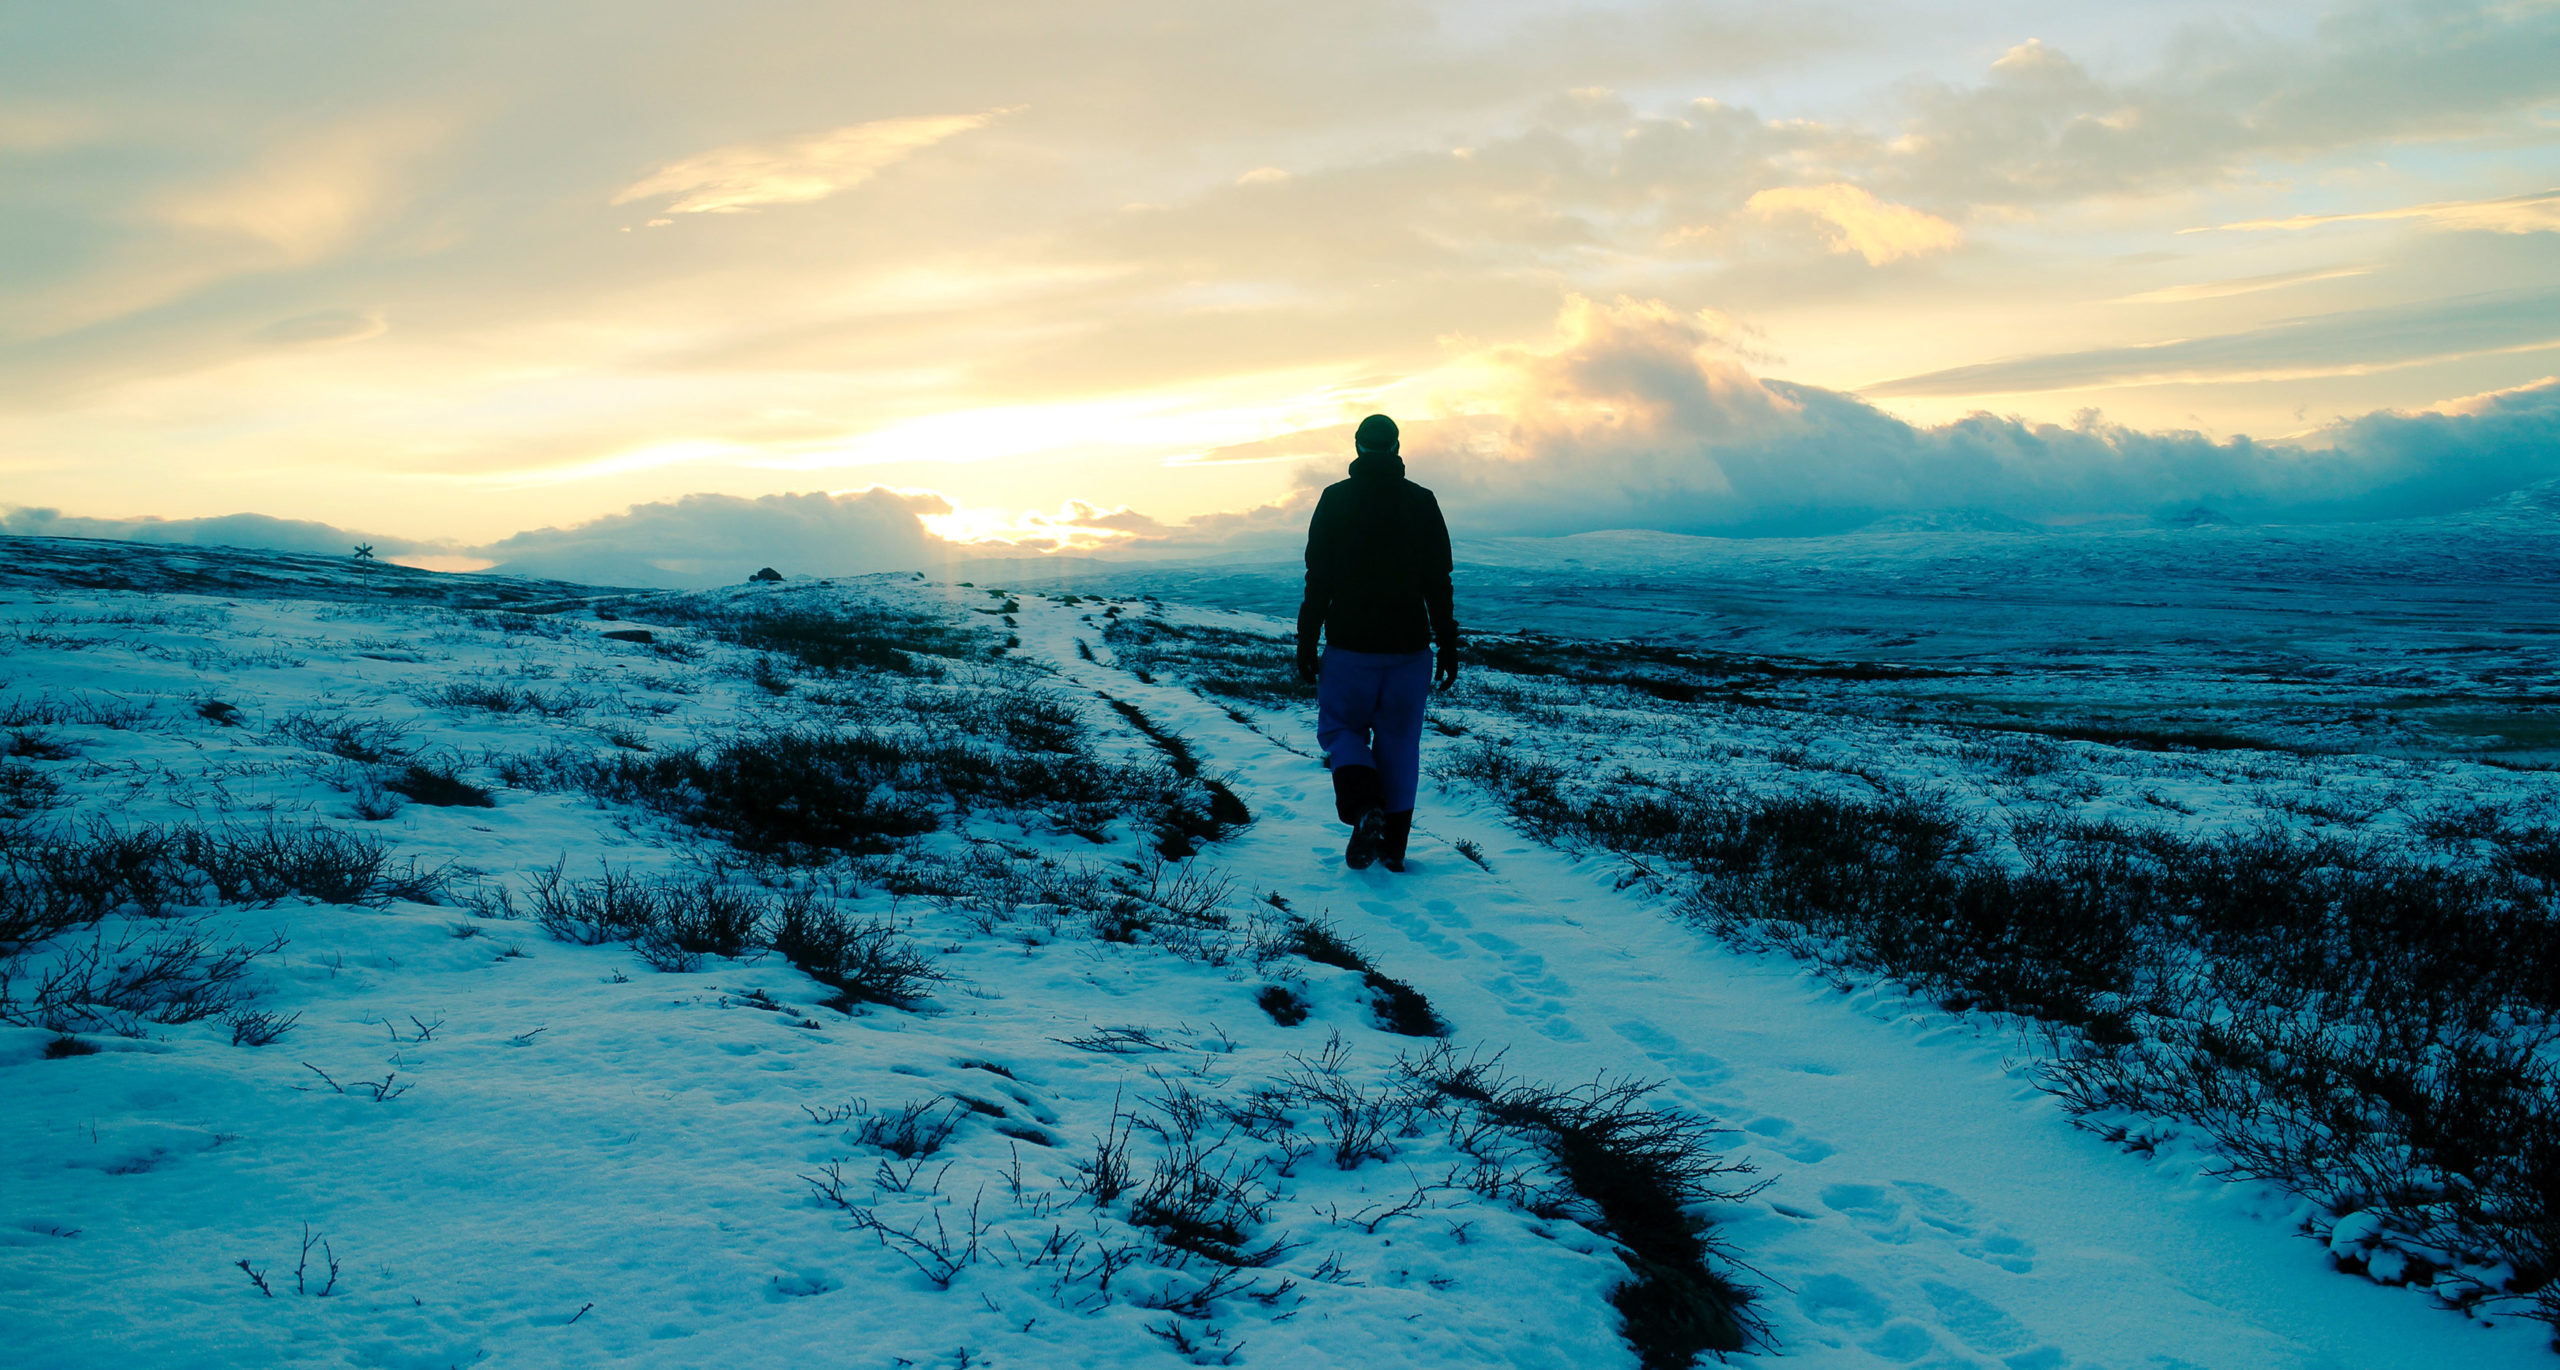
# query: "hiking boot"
[1399,827]
[1356,790]
[1367,836]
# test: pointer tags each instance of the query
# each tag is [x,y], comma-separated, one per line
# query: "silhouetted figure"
[1378,595]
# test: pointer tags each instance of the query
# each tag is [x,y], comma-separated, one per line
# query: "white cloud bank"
[1633,415]
[1637,415]
[722,539]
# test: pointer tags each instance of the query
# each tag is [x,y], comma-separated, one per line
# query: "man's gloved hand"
[1307,666]
[1448,667]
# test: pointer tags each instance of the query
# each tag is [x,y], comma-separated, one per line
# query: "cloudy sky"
[514,281]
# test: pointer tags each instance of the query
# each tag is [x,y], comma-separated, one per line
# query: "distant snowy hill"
[97,563]
[2539,502]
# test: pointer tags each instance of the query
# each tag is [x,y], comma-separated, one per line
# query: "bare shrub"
[489,696]
[838,639]
[1398,1007]
[263,865]
[1104,1176]
[1639,1172]
[1358,1120]
[865,961]
[53,879]
[617,906]
[784,794]
[96,709]
[703,916]
[56,879]
[25,790]
[918,1129]
[1203,1197]
[34,745]
[258,1027]
[371,740]
[118,981]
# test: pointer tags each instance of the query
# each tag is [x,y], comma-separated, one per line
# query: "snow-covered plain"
[521,1151]
[2427,636]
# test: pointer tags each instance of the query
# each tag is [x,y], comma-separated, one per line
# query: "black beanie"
[1377,434]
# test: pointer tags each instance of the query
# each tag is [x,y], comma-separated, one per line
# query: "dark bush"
[1400,1008]
[1034,721]
[1283,1004]
[1397,1006]
[1639,1172]
[616,906]
[264,865]
[672,921]
[1225,809]
[1200,809]
[920,1128]
[1176,748]
[483,695]
[698,918]
[864,961]
[805,794]
[52,880]
[428,785]
[1318,942]
[853,640]
[24,790]
[36,746]
[782,793]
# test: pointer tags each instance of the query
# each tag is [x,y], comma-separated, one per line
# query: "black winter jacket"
[1377,565]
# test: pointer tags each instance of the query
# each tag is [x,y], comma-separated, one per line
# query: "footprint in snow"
[1695,1067]
[1902,1342]
[1899,1213]
[1982,1326]
[1403,920]
[1527,966]
[1782,1137]
[1840,1301]
[1446,913]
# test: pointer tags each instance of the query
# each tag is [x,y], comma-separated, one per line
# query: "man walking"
[1378,594]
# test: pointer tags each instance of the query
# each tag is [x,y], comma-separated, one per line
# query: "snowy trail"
[1927,1204]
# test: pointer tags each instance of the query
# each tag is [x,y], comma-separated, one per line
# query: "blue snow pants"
[1369,713]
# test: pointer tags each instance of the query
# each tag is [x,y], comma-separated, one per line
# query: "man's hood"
[1377,466]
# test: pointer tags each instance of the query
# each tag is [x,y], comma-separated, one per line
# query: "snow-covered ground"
[522,1151]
